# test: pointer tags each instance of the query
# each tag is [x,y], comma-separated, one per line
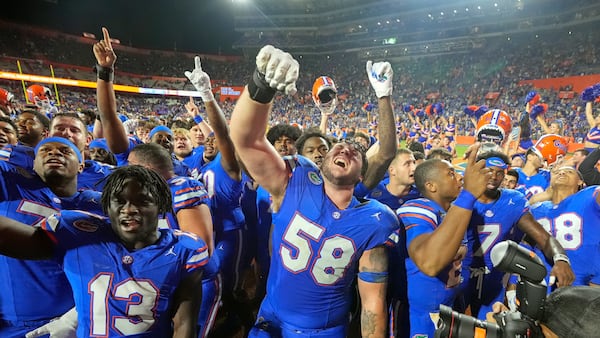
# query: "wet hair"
[181,124]
[401,151]
[308,134]
[427,171]
[154,154]
[149,179]
[416,146]
[440,153]
[418,155]
[513,173]
[280,130]
[90,114]
[363,136]
[43,119]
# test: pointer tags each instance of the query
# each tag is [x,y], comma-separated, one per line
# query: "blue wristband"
[465,200]
[198,119]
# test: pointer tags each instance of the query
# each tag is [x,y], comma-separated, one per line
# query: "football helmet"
[6,100]
[493,126]
[38,94]
[324,94]
[551,147]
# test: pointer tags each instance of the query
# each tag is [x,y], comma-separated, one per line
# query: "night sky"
[197,26]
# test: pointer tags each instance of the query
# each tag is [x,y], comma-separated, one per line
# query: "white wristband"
[561,257]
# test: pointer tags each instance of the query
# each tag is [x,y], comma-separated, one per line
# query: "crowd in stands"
[459,80]
[195,211]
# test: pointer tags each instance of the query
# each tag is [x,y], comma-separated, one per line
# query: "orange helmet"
[6,97]
[493,126]
[550,147]
[323,91]
[38,93]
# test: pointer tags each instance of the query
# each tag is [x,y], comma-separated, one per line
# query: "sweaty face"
[342,165]
[285,146]
[70,128]
[496,178]
[402,170]
[183,146]
[8,134]
[133,214]
[197,136]
[142,134]
[210,147]
[449,182]
[100,155]
[164,139]
[56,160]
[565,176]
[29,128]
[315,149]
[509,182]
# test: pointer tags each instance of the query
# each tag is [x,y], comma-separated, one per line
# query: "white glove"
[64,326]
[279,68]
[201,81]
[511,299]
[380,75]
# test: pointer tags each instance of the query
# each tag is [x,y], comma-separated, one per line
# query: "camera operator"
[568,312]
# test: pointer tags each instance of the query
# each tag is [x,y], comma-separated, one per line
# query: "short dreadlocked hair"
[156,185]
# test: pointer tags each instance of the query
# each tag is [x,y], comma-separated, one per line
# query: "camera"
[509,257]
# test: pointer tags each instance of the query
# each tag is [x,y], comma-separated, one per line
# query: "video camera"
[509,257]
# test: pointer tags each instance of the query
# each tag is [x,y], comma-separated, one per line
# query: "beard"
[337,180]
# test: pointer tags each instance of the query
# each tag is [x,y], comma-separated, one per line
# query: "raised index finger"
[197,62]
[106,37]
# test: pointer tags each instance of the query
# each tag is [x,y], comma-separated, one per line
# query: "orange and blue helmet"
[493,126]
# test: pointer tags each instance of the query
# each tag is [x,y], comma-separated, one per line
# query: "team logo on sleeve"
[314,178]
[85,225]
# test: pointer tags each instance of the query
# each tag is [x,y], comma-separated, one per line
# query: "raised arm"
[112,128]
[275,70]
[589,114]
[432,252]
[380,75]
[372,285]
[201,81]
[194,113]
[23,241]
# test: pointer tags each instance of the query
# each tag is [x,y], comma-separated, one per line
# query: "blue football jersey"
[187,192]
[425,293]
[381,194]
[490,224]
[34,290]
[94,175]
[120,292]
[534,184]
[225,194]
[574,223]
[316,249]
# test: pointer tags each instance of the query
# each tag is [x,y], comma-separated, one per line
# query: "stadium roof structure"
[398,29]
